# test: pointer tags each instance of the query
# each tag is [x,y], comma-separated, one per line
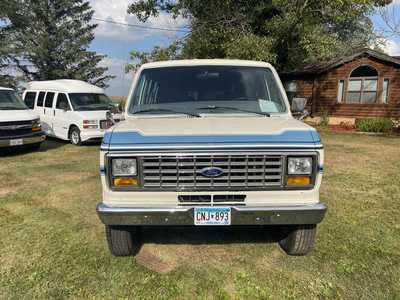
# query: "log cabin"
[365,84]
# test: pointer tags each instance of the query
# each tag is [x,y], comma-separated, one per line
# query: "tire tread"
[120,240]
[299,240]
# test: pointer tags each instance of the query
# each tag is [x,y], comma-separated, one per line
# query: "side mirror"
[299,105]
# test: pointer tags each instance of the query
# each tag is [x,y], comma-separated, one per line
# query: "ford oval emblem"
[211,172]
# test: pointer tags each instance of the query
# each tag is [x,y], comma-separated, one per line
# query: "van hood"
[162,133]
[92,115]
[96,115]
[17,115]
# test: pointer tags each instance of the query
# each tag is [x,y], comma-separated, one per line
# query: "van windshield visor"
[90,101]
[196,89]
[9,100]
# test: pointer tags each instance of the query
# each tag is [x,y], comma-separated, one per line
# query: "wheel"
[75,136]
[298,240]
[123,240]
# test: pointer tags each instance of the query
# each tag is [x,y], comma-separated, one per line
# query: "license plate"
[212,216]
[16,142]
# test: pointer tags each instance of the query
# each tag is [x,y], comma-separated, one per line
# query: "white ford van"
[71,110]
[19,126]
[210,143]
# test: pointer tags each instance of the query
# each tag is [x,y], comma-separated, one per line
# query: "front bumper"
[264,215]
[92,134]
[26,139]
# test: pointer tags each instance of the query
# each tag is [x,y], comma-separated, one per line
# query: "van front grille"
[234,171]
[15,128]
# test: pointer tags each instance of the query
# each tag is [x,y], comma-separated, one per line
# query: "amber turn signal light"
[298,180]
[125,181]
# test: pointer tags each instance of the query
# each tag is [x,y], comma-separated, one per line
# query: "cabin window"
[30,99]
[340,91]
[362,86]
[62,102]
[48,102]
[385,91]
[40,99]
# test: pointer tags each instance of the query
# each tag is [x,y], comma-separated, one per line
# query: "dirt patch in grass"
[4,191]
[154,259]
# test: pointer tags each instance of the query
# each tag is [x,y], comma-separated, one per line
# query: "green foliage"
[380,125]
[287,33]
[157,54]
[324,114]
[251,47]
[7,81]
[49,39]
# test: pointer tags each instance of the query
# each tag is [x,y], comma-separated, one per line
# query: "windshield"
[9,100]
[90,101]
[207,89]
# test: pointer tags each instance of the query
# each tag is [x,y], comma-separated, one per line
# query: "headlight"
[124,167]
[36,126]
[299,165]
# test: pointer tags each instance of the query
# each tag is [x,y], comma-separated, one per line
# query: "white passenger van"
[19,126]
[71,110]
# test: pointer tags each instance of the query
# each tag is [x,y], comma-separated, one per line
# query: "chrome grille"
[15,128]
[239,171]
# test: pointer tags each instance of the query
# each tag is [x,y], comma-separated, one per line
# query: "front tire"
[298,240]
[123,240]
[75,136]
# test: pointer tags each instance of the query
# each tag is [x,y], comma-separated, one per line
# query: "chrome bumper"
[264,215]
[37,138]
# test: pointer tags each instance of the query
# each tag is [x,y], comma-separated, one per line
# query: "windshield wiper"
[211,107]
[167,110]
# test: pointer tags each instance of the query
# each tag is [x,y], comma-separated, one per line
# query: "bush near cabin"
[378,125]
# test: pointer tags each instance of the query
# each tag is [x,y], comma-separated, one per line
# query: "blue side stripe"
[286,137]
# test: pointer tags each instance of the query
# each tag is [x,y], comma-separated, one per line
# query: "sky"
[116,41]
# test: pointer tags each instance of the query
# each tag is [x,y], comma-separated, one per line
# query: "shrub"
[324,117]
[383,125]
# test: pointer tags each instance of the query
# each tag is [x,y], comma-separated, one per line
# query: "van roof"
[5,89]
[65,86]
[206,62]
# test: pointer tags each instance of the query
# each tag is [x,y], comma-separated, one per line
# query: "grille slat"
[184,172]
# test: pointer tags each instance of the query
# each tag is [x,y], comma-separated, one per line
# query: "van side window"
[49,100]
[40,99]
[62,102]
[30,99]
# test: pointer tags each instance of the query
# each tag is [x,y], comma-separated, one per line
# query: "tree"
[49,39]
[288,33]
[390,15]
[5,79]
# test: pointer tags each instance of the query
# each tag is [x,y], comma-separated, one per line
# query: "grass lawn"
[52,244]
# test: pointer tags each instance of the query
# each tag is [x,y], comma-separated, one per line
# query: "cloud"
[117,11]
[392,47]
[119,86]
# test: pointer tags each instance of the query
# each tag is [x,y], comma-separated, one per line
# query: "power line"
[141,26]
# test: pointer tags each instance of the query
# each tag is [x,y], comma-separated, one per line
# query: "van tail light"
[89,124]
